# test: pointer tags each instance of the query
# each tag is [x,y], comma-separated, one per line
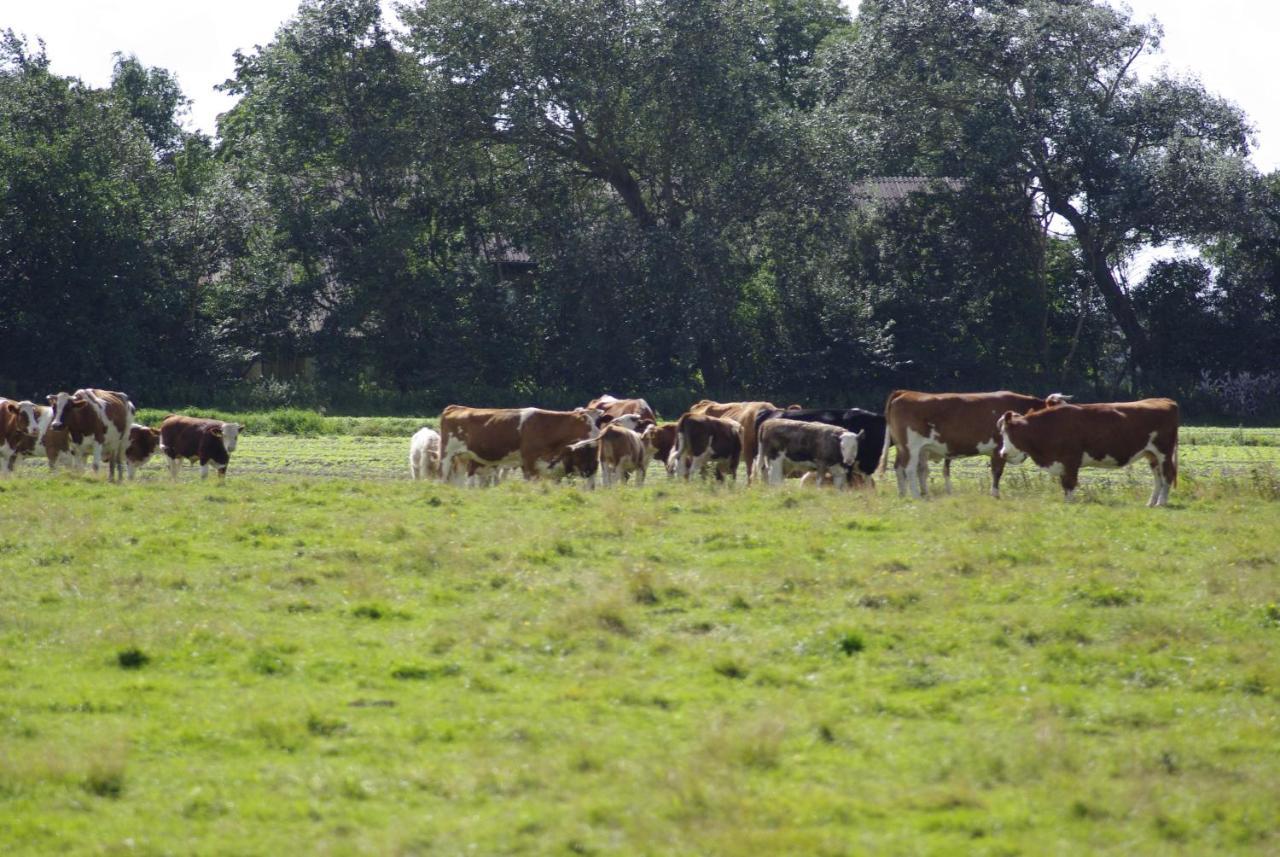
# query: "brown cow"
[143,443]
[744,413]
[1065,438]
[18,431]
[204,440]
[664,443]
[98,420]
[579,459]
[949,425]
[621,452]
[495,437]
[615,407]
[702,438]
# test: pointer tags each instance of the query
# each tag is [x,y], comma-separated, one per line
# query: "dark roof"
[897,188]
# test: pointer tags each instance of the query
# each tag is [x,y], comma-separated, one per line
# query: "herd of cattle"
[617,437]
[99,423]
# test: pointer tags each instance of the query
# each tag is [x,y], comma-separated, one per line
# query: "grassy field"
[360,664]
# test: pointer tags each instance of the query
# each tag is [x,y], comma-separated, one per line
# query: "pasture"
[322,657]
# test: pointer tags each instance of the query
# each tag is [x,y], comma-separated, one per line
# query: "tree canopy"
[503,202]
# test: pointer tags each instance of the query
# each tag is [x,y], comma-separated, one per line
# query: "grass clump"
[132,658]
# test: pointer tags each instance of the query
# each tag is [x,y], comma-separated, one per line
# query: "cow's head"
[1057,399]
[630,421]
[849,447]
[230,433]
[61,404]
[595,420]
[1008,450]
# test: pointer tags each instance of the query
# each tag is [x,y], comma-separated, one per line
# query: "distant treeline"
[508,203]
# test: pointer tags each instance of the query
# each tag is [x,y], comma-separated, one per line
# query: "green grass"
[285,664]
[296,421]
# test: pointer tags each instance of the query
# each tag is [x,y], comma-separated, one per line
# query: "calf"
[664,444]
[701,439]
[495,437]
[1065,438]
[18,431]
[793,445]
[98,419]
[947,426]
[143,443]
[579,459]
[874,430]
[424,454]
[198,439]
[745,414]
[623,452]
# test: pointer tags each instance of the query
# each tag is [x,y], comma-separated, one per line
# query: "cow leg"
[997,470]
[173,469]
[640,475]
[901,459]
[97,460]
[222,474]
[529,464]
[204,468]
[1070,479]
[838,479]
[918,476]
[1158,491]
[946,474]
[132,469]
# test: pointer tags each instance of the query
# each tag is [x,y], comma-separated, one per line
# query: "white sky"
[1228,43]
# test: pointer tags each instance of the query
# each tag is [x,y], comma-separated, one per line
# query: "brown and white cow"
[18,432]
[791,446]
[143,443]
[610,406]
[581,459]
[745,414]
[496,437]
[621,452]
[1065,438]
[196,439]
[949,425]
[98,420]
[701,439]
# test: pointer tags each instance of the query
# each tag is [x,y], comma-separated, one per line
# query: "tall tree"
[1046,92]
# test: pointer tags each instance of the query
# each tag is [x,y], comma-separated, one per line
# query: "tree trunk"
[1118,303]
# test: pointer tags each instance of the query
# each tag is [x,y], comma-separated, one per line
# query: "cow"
[701,438]
[143,443]
[796,445]
[664,444]
[580,459]
[193,439]
[611,406]
[98,420]
[621,451]
[1065,438]
[424,454]
[743,413]
[18,430]
[947,426]
[873,427]
[530,437]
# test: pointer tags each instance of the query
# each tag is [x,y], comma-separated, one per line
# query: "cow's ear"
[216,432]
[1004,420]
[11,407]
[51,398]
[604,420]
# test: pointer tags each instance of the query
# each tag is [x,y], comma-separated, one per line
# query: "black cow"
[855,420]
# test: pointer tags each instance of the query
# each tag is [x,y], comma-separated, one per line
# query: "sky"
[1227,43]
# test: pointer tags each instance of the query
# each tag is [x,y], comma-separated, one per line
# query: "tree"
[1044,93]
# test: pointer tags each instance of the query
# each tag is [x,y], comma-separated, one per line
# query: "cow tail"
[888,435]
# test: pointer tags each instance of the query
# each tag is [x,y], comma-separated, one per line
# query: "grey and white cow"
[788,446]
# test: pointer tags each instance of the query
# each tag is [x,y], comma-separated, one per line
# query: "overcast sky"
[1229,44]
